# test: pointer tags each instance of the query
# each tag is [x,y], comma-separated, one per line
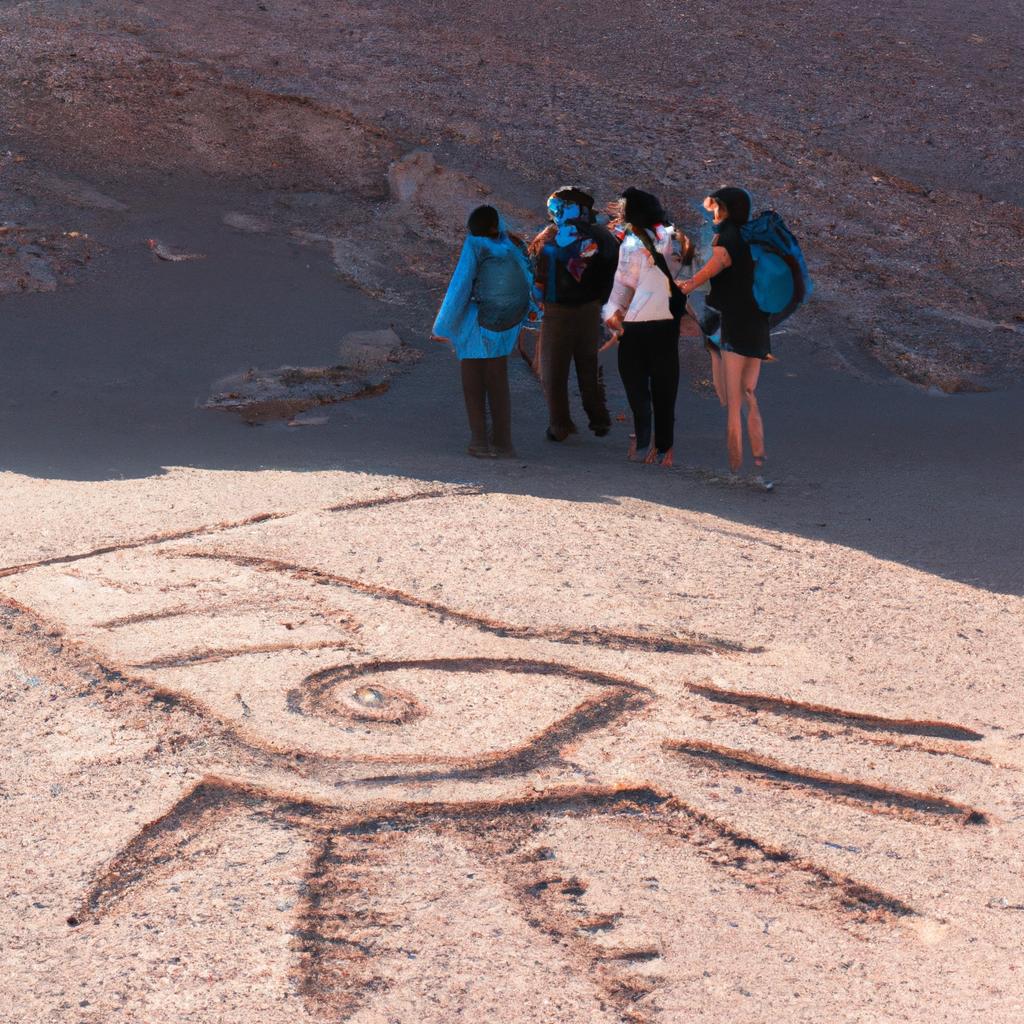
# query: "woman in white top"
[640,316]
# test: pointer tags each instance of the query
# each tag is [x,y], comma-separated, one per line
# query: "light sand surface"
[446,753]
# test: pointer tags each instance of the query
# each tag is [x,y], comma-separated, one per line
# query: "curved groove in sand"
[210,655]
[541,749]
[694,643]
[538,751]
[204,531]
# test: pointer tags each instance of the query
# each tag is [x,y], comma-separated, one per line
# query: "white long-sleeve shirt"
[641,291]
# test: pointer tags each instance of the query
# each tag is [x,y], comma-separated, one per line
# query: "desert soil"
[312,718]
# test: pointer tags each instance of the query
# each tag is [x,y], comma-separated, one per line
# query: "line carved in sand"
[155,539]
[834,716]
[876,798]
[342,939]
[342,943]
[693,643]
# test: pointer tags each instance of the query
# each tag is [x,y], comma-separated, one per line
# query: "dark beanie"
[642,210]
[574,194]
[736,201]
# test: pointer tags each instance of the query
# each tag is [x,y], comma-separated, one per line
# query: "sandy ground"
[330,722]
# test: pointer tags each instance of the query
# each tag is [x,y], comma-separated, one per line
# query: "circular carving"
[342,694]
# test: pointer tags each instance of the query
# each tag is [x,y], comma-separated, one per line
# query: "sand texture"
[376,763]
[336,724]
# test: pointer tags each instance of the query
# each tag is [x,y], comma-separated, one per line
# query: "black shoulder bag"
[676,300]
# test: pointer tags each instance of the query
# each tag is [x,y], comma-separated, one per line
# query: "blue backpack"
[782,283]
[502,287]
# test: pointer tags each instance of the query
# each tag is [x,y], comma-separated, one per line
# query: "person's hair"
[574,194]
[484,222]
[642,210]
[736,202]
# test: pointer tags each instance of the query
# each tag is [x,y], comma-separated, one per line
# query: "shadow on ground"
[104,380]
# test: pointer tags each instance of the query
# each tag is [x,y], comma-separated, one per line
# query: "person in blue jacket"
[487,302]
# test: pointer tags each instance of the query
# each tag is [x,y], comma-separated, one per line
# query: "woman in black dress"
[745,342]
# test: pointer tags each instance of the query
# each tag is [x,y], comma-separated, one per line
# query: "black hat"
[574,194]
[643,210]
[736,201]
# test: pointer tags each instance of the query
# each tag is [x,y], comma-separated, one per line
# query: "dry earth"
[891,140]
[313,745]
[257,775]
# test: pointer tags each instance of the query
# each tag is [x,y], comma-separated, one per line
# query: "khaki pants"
[485,383]
[572,334]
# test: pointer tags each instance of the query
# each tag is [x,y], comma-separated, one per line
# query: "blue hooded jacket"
[458,318]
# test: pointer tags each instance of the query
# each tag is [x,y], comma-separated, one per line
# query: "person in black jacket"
[575,261]
[745,340]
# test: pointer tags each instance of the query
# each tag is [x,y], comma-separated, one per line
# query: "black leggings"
[649,367]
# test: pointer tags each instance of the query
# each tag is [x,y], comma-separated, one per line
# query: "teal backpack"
[502,287]
[782,283]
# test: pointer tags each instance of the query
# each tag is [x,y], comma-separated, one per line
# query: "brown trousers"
[572,334]
[485,383]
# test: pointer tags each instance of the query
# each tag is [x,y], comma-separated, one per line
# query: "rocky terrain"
[890,139]
[335,724]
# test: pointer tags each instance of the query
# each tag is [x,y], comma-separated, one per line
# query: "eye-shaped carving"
[570,701]
[340,696]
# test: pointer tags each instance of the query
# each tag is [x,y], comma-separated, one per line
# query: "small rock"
[369,350]
[307,420]
[165,252]
[369,697]
[246,222]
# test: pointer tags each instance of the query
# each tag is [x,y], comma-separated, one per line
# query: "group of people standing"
[594,285]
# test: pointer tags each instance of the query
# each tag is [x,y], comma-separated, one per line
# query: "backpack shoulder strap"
[659,260]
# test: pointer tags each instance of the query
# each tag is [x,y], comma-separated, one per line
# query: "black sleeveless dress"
[745,329]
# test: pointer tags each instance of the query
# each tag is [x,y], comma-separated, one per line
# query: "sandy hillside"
[890,140]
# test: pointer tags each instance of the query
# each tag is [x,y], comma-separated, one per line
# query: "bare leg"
[755,426]
[732,367]
[500,402]
[474,391]
[717,377]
